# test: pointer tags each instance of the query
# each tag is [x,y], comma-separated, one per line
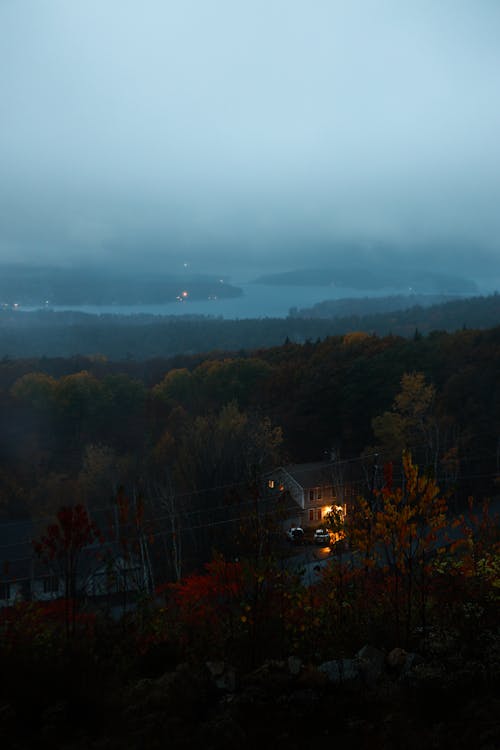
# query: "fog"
[250,134]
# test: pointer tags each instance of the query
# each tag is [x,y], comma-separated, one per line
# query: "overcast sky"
[199,129]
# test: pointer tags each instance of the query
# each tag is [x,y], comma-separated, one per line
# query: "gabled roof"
[315,474]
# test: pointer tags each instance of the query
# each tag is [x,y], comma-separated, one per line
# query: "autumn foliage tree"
[397,536]
[61,548]
[412,423]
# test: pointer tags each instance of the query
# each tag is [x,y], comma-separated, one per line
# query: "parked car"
[322,537]
[295,535]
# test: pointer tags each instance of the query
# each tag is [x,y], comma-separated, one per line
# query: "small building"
[103,568]
[312,487]
[22,576]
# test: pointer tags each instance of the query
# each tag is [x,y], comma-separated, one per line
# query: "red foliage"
[204,598]
[73,531]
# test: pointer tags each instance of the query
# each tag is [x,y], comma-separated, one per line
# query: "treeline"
[348,306]
[144,337]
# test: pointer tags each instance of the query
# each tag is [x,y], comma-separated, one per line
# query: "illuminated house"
[311,486]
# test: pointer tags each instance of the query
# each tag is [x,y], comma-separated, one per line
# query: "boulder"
[401,662]
[342,672]
[371,663]
[396,659]
[223,675]
[294,665]
[311,678]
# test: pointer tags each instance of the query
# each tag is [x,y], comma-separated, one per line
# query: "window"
[270,484]
[315,514]
[315,494]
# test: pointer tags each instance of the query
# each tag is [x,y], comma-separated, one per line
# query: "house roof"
[315,474]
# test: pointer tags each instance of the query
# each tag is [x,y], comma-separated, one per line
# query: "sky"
[271,132]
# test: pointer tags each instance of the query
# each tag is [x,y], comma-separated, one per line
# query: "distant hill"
[27,285]
[348,306]
[371,279]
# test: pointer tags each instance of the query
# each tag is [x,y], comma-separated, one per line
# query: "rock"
[396,659]
[271,679]
[175,693]
[310,677]
[294,665]
[371,663]
[342,672]
[216,668]
[401,661]
[412,660]
[223,675]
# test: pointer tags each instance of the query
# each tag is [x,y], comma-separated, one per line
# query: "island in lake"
[45,285]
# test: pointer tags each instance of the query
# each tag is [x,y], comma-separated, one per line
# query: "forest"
[174,452]
[335,394]
[122,337]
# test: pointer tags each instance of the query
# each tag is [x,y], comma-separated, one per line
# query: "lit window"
[270,484]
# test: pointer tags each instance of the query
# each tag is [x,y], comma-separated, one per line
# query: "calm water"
[257,302]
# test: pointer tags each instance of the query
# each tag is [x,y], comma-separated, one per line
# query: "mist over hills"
[373,279]
[151,283]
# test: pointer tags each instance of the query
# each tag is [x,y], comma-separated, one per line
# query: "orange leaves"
[396,533]
[410,515]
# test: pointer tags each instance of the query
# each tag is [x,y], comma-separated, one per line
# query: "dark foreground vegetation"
[395,643]
[121,337]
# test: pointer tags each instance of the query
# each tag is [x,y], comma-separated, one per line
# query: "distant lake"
[258,301]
